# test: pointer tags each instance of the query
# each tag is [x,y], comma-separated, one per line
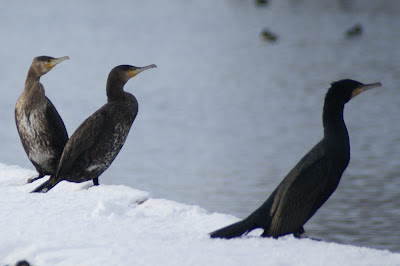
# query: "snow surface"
[75,224]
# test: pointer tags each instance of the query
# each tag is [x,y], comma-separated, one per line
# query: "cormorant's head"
[43,64]
[119,75]
[346,89]
[125,72]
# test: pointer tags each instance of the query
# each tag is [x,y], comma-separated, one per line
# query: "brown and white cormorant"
[40,127]
[97,141]
[315,177]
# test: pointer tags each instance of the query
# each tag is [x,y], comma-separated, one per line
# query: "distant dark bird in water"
[356,30]
[315,177]
[261,3]
[97,141]
[40,127]
[267,35]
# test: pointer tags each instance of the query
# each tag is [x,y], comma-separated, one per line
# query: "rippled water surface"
[225,115]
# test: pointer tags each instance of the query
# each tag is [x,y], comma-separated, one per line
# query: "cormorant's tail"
[43,188]
[234,230]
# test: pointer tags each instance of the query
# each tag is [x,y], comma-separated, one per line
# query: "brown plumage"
[40,127]
[98,140]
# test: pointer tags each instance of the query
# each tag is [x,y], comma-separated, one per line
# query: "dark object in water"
[356,30]
[261,3]
[267,35]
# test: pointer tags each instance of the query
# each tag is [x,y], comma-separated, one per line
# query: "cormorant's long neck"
[33,95]
[336,138]
[115,88]
[31,79]
[335,130]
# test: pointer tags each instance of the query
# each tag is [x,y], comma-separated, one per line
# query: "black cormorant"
[315,177]
[40,127]
[98,140]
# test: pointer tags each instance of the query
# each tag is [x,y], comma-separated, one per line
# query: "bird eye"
[48,60]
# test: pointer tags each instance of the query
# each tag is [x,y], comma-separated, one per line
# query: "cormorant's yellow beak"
[55,61]
[137,70]
[365,87]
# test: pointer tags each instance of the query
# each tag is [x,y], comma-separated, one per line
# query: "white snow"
[75,224]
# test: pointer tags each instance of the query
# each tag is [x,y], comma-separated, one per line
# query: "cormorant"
[97,141]
[40,127]
[315,177]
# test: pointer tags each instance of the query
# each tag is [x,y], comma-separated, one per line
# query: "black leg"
[96,181]
[30,180]
[299,232]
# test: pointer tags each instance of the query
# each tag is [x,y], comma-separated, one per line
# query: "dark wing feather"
[298,192]
[85,136]
[56,124]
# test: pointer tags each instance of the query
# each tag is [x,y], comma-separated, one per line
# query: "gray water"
[225,115]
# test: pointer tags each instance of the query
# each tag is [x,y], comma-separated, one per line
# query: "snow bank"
[75,224]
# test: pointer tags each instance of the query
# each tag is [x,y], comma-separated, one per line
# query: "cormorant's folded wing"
[298,192]
[56,125]
[85,136]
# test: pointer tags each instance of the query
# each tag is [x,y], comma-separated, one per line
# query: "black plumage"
[98,140]
[40,127]
[315,177]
